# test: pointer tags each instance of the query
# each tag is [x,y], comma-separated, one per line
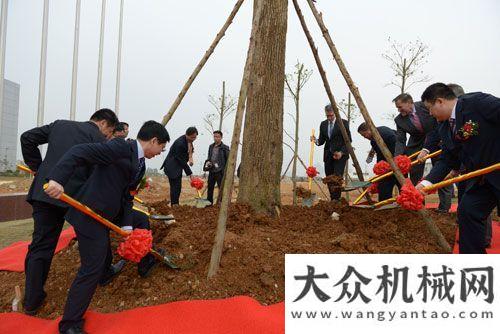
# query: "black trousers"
[385,188]
[141,220]
[175,189]
[94,248]
[214,178]
[48,223]
[488,233]
[475,205]
[335,167]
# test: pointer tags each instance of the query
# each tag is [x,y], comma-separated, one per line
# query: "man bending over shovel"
[118,164]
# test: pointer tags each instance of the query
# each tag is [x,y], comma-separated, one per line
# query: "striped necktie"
[416,121]
[141,166]
[452,122]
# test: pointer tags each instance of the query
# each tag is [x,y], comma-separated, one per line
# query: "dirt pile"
[253,259]
[334,182]
[303,192]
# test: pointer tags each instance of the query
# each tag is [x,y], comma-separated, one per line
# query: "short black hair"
[152,129]
[437,90]
[105,114]
[219,132]
[457,89]
[121,126]
[329,108]
[191,131]
[404,97]
[363,127]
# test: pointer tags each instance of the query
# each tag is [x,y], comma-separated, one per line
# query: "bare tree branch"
[406,62]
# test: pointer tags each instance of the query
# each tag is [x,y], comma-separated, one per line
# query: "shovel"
[28,170]
[165,259]
[200,202]
[445,183]
[383,176]
[309,201]
[169,218]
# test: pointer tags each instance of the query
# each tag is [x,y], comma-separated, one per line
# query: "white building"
[8,131]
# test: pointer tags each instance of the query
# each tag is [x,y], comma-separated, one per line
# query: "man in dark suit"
[177,161]
[389,136]
[118,164]
[48,214]
[335,153]
[469,151]
[121,130]
[215,164]
[413,120]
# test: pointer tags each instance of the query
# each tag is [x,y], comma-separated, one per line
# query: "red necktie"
[416,121]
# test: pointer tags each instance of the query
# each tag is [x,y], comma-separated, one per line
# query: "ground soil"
[253,259]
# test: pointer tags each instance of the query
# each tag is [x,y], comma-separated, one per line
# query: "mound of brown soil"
[253,258]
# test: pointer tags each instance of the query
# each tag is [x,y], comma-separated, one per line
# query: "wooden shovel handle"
[413,163]
[25,169]
[91,213]
[311,158]
[446,183]
[463,177]
[383,176]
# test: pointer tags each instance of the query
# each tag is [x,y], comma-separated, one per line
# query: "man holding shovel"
[177,161]
[118,164]
[470,133]
[335,151]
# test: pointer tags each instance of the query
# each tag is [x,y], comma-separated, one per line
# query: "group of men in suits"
[82,162]
[438,121]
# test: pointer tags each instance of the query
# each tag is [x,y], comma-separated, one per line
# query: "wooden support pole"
[227,187]
[434,230]
[202,63]
[321,70]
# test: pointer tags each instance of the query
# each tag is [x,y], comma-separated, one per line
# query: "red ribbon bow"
[311,171]
[137,245]
[197,183]
[410,198]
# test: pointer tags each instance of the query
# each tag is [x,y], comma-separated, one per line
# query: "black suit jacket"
[390,138]
[60,135]
[221,158]
[479,151]
[336,143]
[177,159]
[417,139]
[116,166]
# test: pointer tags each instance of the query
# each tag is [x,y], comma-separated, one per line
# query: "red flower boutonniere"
[145,183]
[469,129]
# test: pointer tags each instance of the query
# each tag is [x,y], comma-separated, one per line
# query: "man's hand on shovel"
[54,189]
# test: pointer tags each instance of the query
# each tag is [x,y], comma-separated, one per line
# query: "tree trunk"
[262,153]
[403,77]
[222,105]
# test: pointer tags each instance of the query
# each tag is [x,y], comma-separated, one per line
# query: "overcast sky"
[163,41]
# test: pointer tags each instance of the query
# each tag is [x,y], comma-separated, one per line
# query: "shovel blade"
[364,206]
[356,185]
[387,206]
[309,201]
[201,203]
[168,261]
[162,217]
